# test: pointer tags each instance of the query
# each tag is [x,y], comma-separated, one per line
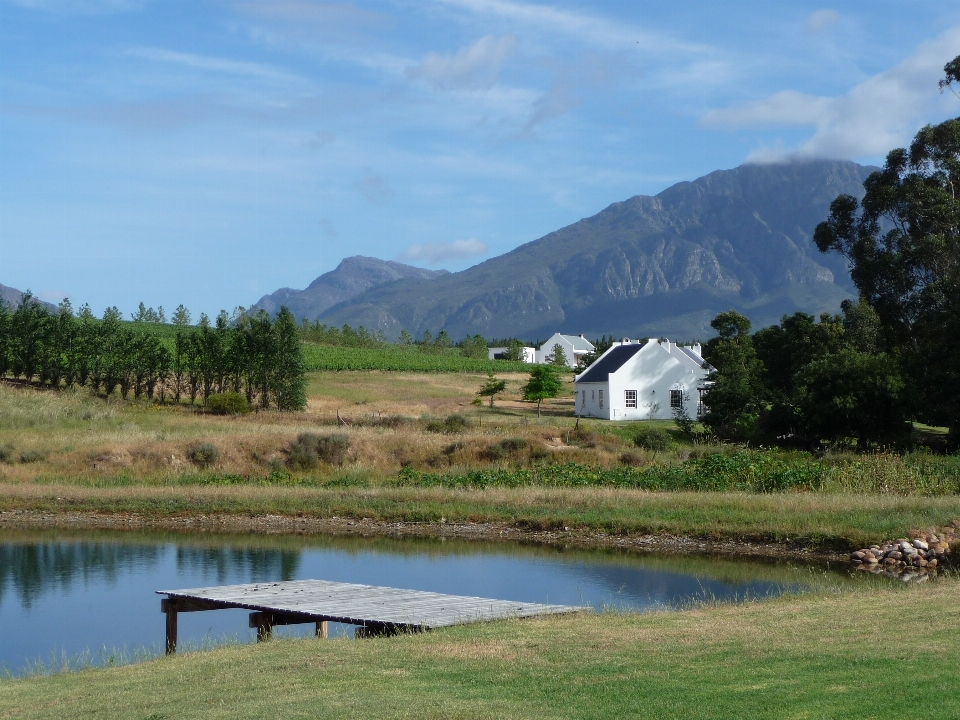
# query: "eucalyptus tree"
[902,242]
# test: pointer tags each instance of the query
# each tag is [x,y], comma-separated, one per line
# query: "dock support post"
[322,629]
[169,607]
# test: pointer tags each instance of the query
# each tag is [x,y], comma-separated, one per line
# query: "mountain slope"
[350,278]
[662,265]
[11,297]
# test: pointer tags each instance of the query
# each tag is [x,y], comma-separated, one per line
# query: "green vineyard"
[400,357]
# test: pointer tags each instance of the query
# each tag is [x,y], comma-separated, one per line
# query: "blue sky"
[211,152]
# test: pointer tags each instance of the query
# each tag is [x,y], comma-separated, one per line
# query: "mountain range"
[660,265]
[11,297]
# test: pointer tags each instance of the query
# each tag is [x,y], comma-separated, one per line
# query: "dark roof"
[609,363]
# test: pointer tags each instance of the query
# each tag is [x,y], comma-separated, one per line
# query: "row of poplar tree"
[256,355]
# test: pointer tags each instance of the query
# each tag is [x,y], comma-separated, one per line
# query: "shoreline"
[275,524]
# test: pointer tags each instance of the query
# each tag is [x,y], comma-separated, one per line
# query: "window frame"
[630,399]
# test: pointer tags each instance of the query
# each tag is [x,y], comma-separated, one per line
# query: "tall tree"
[181,316]
[903,245]
[557,356]
[735,399]
[288,381]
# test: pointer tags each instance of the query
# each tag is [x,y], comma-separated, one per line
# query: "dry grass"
[74,435]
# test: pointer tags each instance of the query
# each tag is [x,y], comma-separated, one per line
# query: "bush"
[503,449]
[309,449]
[451,424]
[229,403]
[651,438]
[6,453]
[203,454]
[30,456]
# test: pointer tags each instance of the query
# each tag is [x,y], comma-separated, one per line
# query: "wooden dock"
[376,610]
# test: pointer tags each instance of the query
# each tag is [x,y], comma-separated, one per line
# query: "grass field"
[69,451]
[883,652]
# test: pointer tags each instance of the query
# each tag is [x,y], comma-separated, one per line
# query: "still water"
[63,594]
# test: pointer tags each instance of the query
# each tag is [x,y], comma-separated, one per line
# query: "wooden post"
[169,607]
[322,629]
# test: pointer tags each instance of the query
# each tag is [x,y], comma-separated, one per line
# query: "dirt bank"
[290,525]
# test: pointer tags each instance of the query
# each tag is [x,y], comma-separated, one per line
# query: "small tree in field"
[181,316]
[492,387]
[544,383]
[557,356]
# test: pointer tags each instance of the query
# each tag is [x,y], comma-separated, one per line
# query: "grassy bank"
[831,521]
[402,458]
[828,655]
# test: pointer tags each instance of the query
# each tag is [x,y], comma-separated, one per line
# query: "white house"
[574,348]
[643,381]
[527,354]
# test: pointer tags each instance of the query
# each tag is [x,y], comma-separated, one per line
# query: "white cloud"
[475,67]
[437,252]
[213,64]
[589,28]
[870,119]
[822,20]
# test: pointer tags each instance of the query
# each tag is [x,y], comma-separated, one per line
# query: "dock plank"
[355,604]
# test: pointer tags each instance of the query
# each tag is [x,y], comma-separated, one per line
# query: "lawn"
[885,651]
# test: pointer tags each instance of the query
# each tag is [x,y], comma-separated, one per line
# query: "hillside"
[351,277]
[11,297]
[661,265]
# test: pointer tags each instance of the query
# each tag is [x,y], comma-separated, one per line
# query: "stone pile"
[920,555]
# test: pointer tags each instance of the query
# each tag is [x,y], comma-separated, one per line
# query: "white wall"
[547,349]
[653,373]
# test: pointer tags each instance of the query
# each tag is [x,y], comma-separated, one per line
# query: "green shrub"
[31,456]
[503,449]
[451,424]
[652,438]
[6,453]
[229,403]
[310,449]
[203,454]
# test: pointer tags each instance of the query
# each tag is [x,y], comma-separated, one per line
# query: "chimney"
[697,349]
[665,343]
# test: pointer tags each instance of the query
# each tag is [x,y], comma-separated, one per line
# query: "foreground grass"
[834,655]
[831,521]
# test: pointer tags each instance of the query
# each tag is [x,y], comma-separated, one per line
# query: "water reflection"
[32,570]
[89,590]
[218,564]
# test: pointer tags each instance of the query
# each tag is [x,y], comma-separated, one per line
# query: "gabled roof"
[615,359]
[578,342]
[696,358]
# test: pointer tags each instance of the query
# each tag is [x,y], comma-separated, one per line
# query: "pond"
[92,595]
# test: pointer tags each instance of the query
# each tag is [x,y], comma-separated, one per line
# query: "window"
[601,397]
[583,399]
[630,398]
[676,398]
[701,407]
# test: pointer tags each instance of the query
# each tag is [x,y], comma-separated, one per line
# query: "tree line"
[254,355]
[893,356]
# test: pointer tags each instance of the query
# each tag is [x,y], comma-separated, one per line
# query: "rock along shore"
[913,558]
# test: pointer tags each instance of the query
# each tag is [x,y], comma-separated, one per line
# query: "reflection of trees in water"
[36,568]
[239,564]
